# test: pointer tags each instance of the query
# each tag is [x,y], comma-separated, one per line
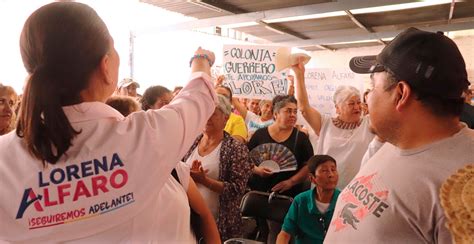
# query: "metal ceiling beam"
[224,7]
[451,11]
[325,48]
[357,22]
[378,35]
[219,6]
[339,5]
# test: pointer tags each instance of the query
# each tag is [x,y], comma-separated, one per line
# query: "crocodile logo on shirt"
[364,197]
[348,216]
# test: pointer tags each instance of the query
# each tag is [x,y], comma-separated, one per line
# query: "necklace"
[348,126]
[345,125]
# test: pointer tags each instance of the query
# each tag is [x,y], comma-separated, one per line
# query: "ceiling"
[321,24]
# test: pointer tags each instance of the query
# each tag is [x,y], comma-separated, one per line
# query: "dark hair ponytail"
[43,124]
[61,45]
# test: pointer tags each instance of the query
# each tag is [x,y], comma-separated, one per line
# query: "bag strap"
[296,140]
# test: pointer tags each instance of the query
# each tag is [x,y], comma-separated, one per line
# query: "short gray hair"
[223,104]
[343,93]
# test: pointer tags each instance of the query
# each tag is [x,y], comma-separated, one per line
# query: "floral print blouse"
[234,170]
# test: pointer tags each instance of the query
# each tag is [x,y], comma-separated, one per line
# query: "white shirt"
[322,207]
[346,146]
[110,178]
[254,122]
[173,200]
[209,162]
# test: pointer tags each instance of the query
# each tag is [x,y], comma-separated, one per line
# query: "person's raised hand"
[210,54]
[220,79]
[201,63]
[299,68]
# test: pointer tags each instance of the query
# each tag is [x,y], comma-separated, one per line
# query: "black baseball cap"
[430,62]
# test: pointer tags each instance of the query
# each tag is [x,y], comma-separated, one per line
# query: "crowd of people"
[85,158]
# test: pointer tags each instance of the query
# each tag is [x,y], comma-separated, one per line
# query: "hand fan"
[274,156]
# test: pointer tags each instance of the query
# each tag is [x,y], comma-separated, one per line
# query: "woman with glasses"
[311,212]
[279,153]
[345,137]
[8,100]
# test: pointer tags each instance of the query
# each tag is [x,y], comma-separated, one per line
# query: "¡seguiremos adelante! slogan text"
[92,178]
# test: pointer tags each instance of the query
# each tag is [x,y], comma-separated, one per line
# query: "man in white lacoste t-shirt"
[415,106]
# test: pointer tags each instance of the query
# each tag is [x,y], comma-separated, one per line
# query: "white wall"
[340,58]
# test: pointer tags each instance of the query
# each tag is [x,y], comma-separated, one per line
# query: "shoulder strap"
[296,140]
[174,173]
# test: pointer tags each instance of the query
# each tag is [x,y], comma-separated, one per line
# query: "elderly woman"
[156,97]
[220,167]
[287,149]
[345,137]
[8,99]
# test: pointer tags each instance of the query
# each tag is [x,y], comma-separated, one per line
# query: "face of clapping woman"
[216,123]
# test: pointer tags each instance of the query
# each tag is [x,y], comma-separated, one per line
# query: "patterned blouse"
[234,170]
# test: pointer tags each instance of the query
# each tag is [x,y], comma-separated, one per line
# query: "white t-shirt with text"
[395,196]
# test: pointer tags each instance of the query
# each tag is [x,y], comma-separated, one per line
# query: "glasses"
[5,102]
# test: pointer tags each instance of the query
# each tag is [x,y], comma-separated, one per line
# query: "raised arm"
[170,131]
[241,108]
[291,85]
[309,113]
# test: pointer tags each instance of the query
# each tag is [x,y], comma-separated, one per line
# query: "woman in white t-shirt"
[220,167]
[345,137]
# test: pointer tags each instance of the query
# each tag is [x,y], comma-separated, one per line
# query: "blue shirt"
[305,222]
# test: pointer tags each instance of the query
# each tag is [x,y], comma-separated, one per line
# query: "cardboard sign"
[250,71]
[322,83]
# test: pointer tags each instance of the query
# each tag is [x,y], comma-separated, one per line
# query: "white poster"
[250,71]
[322,83]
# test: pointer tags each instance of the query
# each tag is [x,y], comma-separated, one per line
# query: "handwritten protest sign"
[250,71]
[322,83]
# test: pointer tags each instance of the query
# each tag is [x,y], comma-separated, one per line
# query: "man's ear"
[403,95]
[105,69]
[311,178]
